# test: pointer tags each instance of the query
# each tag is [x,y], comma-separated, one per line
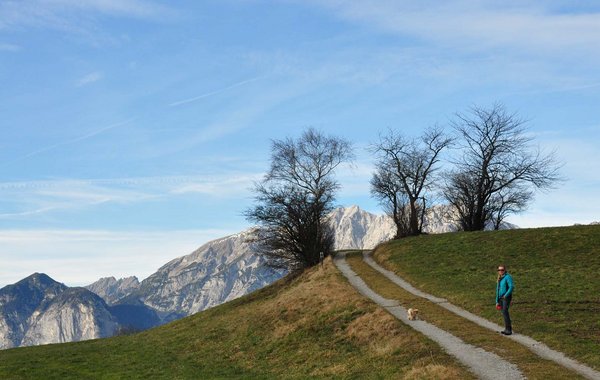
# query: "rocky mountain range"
[39,310]
[112,290]
[217,272]
[228,268]
[358,229]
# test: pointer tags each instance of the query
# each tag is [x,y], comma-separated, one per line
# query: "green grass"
[556,272]
[314,325]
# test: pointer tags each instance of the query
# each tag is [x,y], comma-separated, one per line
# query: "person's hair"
[499,275]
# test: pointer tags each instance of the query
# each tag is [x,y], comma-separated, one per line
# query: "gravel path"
[484,364]
[536,347]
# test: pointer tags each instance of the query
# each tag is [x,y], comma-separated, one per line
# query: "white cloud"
[130,8]
[78,257]
[32,198]
[89,79]
[229,186]
[475,24]
[77,17]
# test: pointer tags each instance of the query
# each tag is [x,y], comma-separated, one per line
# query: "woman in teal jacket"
[504,293]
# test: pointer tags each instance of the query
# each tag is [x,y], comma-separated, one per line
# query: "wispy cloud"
[476,24]
[129,8]
[219,187]
[71,141]
[9,47]
[241,111]
[89,79]
[77,17]
[30,200]
[80,257]
[33,198]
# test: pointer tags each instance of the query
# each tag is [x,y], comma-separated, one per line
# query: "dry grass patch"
[432,371]
[335,370]
[319,289]
[381,332]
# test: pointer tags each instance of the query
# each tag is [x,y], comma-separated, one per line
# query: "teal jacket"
[505,287]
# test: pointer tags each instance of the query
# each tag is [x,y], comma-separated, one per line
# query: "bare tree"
[460,192]
[294,198]
[508,201]
[391,196]
[405,173]
[497,168]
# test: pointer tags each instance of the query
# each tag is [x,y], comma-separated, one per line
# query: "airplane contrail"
[185,101]
[72,141]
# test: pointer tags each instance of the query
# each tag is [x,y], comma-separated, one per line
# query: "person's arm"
[511,286]
[497,293]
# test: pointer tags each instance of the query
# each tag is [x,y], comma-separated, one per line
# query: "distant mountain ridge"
[358,229]
[227,268]
[112,290]
[217,272]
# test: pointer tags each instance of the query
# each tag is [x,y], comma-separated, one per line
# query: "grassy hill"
[316,325]
[312,325]
[556,271]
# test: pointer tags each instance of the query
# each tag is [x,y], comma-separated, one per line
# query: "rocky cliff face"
[19,301]
[217,272]
[358,229]
[112,290]
[73,315]
[39,310]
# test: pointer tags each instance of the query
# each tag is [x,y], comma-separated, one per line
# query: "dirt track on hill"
[536,347]
[484,364]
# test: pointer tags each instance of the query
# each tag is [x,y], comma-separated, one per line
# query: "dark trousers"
[505,302]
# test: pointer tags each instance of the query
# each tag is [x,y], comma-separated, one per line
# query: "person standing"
[504,293]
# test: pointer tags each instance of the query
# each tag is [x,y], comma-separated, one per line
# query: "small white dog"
[413,314]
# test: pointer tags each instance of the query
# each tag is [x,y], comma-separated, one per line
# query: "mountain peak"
[38,280]
[351,209]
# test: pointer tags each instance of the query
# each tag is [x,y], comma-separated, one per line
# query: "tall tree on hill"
[294,198]
[497,168]
[405,174]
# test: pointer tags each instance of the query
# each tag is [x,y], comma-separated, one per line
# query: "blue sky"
[132,130]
